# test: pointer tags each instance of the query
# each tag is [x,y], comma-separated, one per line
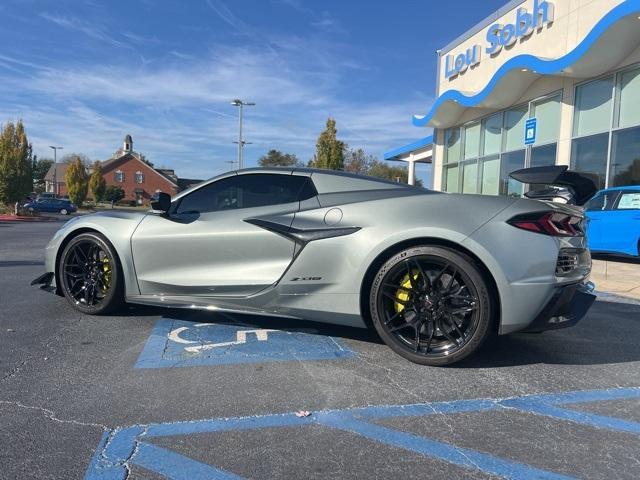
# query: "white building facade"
[538,83]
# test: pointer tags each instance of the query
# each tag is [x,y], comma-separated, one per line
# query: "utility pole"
[241,143]
[55,168]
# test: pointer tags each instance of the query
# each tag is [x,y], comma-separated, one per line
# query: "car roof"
[626,187]
[324,179]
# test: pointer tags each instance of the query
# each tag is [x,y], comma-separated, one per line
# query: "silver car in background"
[435,274]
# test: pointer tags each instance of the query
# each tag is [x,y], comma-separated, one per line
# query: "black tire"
[64,211]
[90,274]
[416,317]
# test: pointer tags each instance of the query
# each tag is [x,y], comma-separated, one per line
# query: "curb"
[15,218]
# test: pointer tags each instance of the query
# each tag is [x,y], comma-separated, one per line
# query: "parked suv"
[57,205]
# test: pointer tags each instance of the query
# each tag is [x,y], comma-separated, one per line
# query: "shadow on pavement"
[616,258]
[279,323]
[609,334]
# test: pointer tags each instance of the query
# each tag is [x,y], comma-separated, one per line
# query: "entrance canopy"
[609,42]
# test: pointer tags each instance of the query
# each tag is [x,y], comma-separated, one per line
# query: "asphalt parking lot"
[182,394]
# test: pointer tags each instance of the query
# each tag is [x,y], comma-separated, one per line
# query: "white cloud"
[93,31]
[177,107]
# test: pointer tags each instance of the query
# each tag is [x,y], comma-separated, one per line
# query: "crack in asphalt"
[134,452]
[389,376]
[46,344]
[51,415]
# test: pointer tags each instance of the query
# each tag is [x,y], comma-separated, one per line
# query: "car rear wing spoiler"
[581,185]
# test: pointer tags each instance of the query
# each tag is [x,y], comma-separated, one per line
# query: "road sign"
[530,131]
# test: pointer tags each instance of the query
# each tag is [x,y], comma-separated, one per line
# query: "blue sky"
[82,74]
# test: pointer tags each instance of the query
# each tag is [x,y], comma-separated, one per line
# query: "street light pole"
[241,143]
[55,168]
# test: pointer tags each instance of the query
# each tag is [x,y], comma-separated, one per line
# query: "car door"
[204,246]
[45,205]
[624,223]
[597,211]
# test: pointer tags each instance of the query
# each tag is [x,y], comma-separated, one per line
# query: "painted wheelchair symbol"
[181,343]
[261,335]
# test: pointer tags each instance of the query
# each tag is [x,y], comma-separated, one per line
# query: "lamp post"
[241,143]
[55,168]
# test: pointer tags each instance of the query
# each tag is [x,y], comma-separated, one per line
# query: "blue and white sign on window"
[530,131]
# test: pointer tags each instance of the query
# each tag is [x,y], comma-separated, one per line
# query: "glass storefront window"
[492,130]
[452,145]
[589,155]
[548,114]
[543,155]
[625,158]
[472,141]
[490,175]
[593,107]
[629,113]
[514,128]
[510,163]
[452,179]
[470,177]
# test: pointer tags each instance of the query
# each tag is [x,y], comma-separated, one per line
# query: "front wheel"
[431,305]
[64,211]
[90,275]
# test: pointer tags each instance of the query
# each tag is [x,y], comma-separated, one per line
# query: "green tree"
[398,173]
[40,169]
[357,161]
[97,184]
[113,194]
[72,157]
[329,150]
[275,158]
[76,180]
[16,163]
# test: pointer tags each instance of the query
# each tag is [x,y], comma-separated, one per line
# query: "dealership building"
[536,83]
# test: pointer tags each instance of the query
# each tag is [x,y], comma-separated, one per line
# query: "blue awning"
[418,144]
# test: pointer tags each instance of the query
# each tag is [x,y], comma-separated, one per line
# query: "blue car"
[56,205]
[614,221]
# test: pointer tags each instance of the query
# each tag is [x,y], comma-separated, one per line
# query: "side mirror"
[163,203]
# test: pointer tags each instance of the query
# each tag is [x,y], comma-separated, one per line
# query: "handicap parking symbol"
[180,343]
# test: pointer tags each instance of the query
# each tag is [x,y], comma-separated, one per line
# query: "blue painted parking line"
[547,405]
[462,457]
[179,343]
[127,446]
[176,466]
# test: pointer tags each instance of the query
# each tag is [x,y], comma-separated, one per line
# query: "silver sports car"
[435,274]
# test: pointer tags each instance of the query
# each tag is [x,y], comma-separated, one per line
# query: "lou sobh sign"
[500,36]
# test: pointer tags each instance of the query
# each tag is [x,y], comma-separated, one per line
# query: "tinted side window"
[602,201]
[246,191]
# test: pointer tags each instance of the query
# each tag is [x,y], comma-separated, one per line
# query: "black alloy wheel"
[431,305]
[89,274]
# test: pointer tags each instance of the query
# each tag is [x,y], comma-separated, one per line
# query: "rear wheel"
[431,305]
[90,275]
[64,211]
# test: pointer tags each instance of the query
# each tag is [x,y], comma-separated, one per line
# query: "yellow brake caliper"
[403,295]
[106,268]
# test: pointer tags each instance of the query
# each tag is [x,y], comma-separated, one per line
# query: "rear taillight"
[549,223]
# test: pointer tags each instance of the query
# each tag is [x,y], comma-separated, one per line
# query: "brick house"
[54,179]
[139,180]
[128,170]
